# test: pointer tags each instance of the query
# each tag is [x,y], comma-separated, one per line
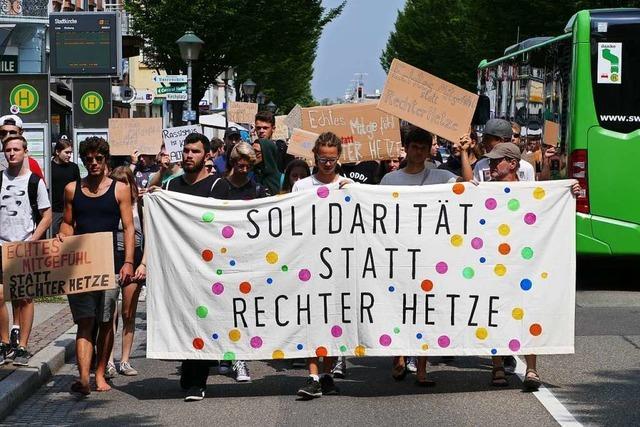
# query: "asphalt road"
[598,385]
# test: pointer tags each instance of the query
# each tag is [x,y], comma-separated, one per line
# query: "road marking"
[548,400]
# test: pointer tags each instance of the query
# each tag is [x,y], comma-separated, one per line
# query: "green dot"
[527,253]
[229,355]
[207,217]
[468,273]
[285,268]
[202,311]
[514,205]
[218,272]
[343,348]
[396,330]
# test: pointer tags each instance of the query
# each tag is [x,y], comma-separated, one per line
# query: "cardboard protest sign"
[127,135]
[366,132]
[282,130]
[301,143]
[242,112]
[551,133]
[427,101]
[49,267]
[294,118]
[450,269]
[173,139]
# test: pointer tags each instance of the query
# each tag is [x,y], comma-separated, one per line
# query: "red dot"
[198,343]
[427,285]
[207,255]
[245,287]
[535,329]
[504,248]
[458,188]
[321,352]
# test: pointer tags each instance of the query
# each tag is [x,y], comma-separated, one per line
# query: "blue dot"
[391,289]
[483,260]
[483,222]
[269,281]
[507,190]
[419,336]
[299,346]
[232,262]
[526,284]
[214,336]
[494,351]
[347,199]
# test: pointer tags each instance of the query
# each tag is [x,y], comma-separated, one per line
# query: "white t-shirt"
[481,172]
[426,177]
[310,182]
[16,219]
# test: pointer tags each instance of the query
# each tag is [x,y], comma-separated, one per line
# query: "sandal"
[531,380]
[398,372]
[499,377]
[77,387]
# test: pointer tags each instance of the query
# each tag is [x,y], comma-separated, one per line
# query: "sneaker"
[143,294]
[242,371]
[340,368]
[194,394]
[127,369]
[111,371]
[14,338]
[224,368]
[510,364]
[311,389]
[21,357]
[327,385]
[4,348]
[411,364]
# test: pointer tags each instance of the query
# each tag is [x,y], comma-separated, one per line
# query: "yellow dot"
[425,347]
[538,193]
[456,240]
[517,313]
[500,269]
[271,257]
[504,230]
[482,333]
[360,351]
[395,194]
[277,354]
[544,275]
[223,250]
[234,335]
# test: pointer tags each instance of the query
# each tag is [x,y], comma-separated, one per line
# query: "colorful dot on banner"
[425,347]
[419,336]
[514,345]
[202,311]
[321,351]
[269,280]
[396,330]
[517,313]
[538,193]
[217,288]
[477,243]
[530,218]
[513,205]
[227,232]
[442,267]
[490,203]
[385,340]
[215,336]
[336,331]
[535,329]
[284,268]
[456,240]
[458,188]
[494,351]
[198,343]
[232,263]
[392,288]
[304,275]
[507,190]
[229,355]
[504,248]
[482,333]
[234,335]
[271,257]
[277,354]
[468,273]
[500,269]
[323,192]
[544,275]
[483,221]
[256,342]
[527,252]
[504,230]
[444,341]
[526,284]
[223,250]
[245,287]
[360,351]
[482,260]
[207,255]
[343,348]
[395,194]
[299,346]
[426,285]
[219,272]
[347,199]
[207,217]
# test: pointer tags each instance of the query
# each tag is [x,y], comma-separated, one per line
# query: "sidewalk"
[52,339]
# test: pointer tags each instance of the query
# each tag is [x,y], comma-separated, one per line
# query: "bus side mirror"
[481,115]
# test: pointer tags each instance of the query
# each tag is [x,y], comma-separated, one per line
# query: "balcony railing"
[24,8]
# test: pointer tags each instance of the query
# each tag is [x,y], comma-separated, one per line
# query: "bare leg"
[531,360]
[497,361]
[422,368]
[328,363]
[130,296]
[105,345]
[115,329]
[313,365]
[23,316]
[4,321]
[84,352]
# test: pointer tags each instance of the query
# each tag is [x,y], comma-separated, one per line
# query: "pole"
[189,91]
[226,105]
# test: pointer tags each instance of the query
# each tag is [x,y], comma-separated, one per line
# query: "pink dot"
[385,340]
[444,341]
[227,232]
[490,203]
[304,275]
[336,331]
[217,288]
[514,345]
[476,243]
[323,192]
[530,218]
[256,342]
[442,267]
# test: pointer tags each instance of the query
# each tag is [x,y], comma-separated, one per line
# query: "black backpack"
[32,191]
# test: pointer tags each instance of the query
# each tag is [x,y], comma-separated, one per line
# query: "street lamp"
[248,88]
[190,46]
[230,74]
[261,98]
[272,107]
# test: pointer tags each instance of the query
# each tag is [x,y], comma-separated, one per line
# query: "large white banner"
[364,270]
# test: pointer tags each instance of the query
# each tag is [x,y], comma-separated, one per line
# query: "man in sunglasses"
[11,125]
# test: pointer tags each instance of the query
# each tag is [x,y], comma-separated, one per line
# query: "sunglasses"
[90,159]
[4,133]
[516,135]
[209,167]
[327,160]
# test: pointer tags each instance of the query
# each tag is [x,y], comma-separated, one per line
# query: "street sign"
[171,89]
[188,115]
[177,78]
[176,96]
[92,102]
[8,63]
[143,97]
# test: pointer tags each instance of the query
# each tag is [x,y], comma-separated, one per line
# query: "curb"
[23,382]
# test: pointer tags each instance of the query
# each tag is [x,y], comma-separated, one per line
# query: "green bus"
[587,82]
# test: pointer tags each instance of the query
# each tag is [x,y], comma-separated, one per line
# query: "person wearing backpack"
[25,214]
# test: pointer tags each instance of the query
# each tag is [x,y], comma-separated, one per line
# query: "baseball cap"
[498,127]
[12,119]
[232,132]
[505,149]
